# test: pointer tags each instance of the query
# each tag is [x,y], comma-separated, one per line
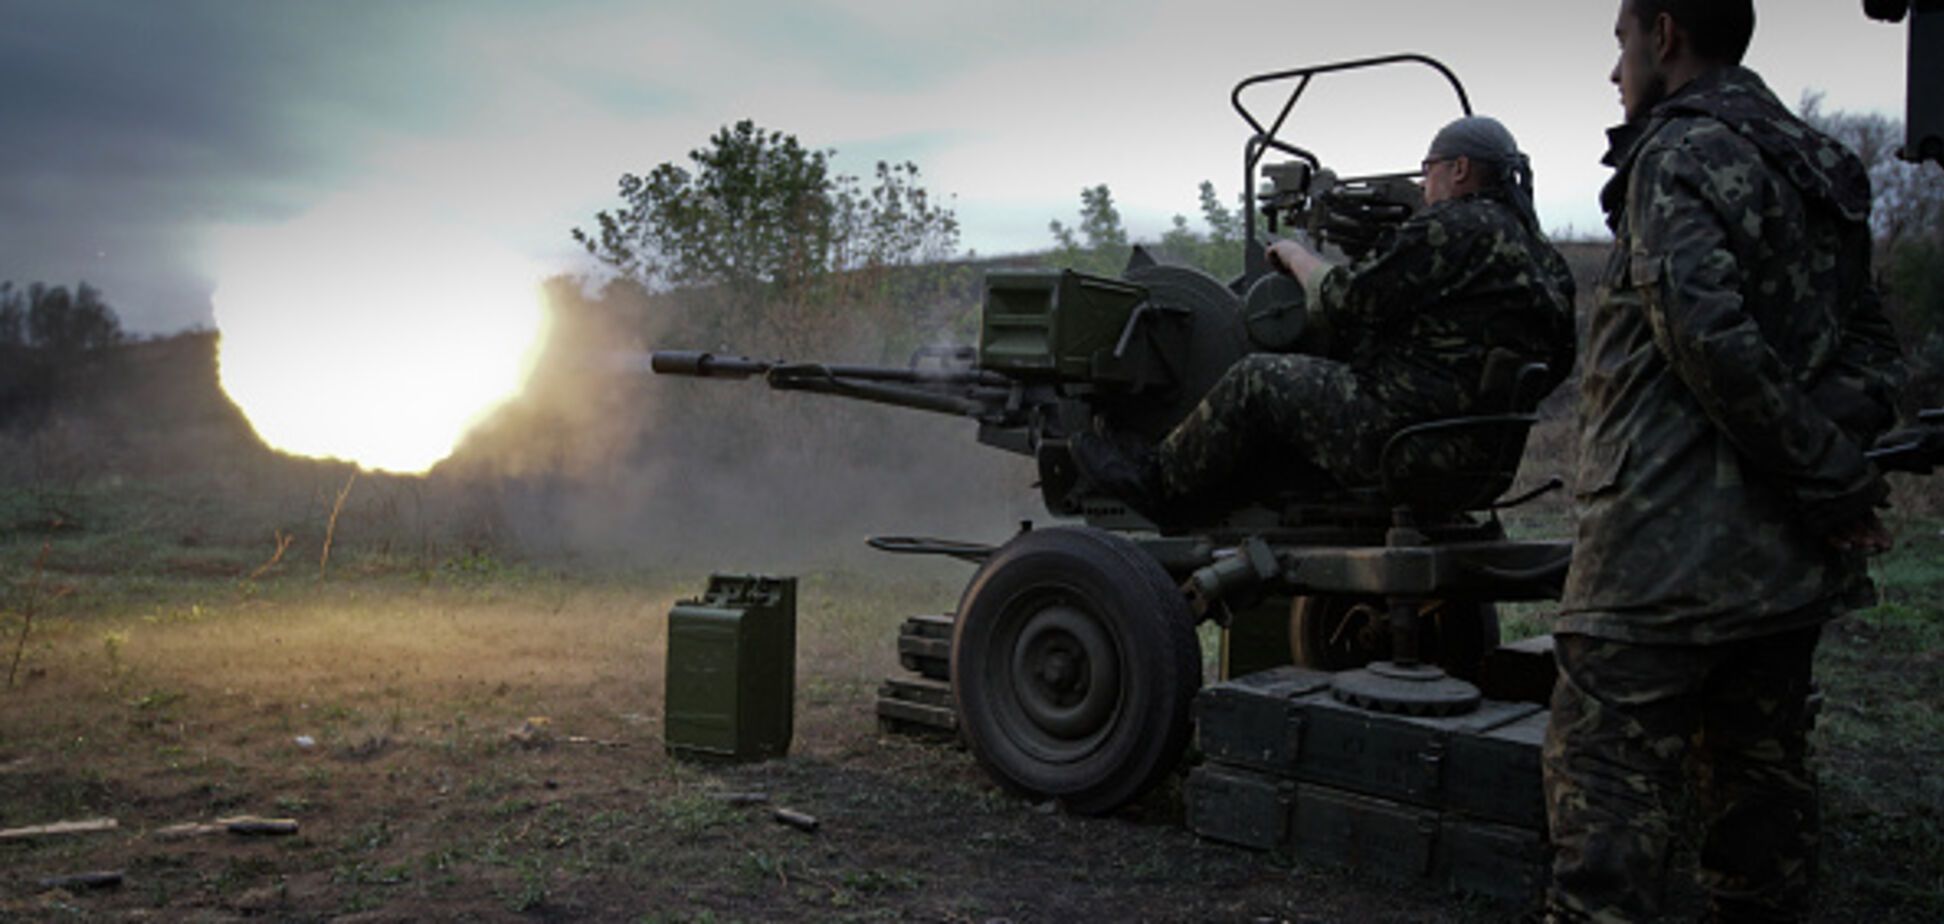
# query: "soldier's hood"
[1821,169]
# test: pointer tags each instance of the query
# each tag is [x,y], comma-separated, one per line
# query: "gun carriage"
[1073,657]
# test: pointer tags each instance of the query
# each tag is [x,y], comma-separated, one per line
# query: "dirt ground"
[485,744]
[489,747]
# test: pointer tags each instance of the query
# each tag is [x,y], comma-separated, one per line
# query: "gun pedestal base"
[1408,689]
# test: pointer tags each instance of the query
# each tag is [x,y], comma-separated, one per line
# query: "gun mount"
[1354,213]
[1073,661]
[1056,349]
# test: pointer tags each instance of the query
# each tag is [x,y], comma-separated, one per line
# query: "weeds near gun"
[27,612]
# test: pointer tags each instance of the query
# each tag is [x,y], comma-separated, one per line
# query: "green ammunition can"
[731,670]
[1059,326]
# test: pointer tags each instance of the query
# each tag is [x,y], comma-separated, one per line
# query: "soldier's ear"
[1664,35]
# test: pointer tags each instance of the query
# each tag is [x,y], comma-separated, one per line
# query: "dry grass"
[401,649]
[415,803]
[182,701]
[168,685]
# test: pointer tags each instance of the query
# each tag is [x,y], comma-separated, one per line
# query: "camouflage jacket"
[1736,364]
[1417,320]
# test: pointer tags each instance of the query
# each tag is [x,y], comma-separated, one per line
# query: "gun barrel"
[1917,449]
[960,390]
[937,397]
[703,365]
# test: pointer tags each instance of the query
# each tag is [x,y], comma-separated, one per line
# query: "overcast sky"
[135,132]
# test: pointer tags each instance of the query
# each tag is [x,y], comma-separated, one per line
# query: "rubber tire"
[1070,588]
[1456,638]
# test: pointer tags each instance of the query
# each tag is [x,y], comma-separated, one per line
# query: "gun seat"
[1402,487]
[1490,445]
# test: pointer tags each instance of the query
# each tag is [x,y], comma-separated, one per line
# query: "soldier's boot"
[1125,469]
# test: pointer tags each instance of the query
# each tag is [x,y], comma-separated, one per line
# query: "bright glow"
[360,333]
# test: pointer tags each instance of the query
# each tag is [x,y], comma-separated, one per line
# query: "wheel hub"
[1066,675]
[1059,671]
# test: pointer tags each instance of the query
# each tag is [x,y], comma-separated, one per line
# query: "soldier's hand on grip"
[1867,536]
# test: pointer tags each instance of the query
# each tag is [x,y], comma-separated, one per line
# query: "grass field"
[467,734]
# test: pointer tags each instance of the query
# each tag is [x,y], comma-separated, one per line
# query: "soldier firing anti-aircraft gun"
[1074,663]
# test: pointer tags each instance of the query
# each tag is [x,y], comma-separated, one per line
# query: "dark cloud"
[860,48]
[131,129]
[129,125]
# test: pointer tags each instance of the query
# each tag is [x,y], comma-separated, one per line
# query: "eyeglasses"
[1425,165]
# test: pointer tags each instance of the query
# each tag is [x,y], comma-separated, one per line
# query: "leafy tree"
[1219,251]
[1099,244]
[894,223]
[68,327]
[754,208]
[1224,226]
[44,332]
[1180,239]
[13,318]
[893,252]
[762,239]
[52,320]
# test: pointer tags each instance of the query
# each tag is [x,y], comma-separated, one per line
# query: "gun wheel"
[1074,664]
[1336,633]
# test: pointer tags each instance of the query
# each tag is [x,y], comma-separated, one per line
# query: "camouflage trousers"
[1631,725]
[1278,421]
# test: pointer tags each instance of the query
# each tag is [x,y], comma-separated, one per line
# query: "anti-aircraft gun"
[1073,657]
[1074,661]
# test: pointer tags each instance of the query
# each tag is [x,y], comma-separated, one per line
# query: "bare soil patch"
[417,799]
[484,743]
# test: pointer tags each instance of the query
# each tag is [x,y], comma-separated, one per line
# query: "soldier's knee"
[1258,367]
[1247,383]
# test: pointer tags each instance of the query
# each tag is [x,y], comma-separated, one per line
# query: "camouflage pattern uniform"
[1410,331]
[1735,366]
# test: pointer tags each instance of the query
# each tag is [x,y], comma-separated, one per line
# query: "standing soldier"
[1735,367]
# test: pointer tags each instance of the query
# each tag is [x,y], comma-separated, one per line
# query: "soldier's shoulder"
[1701,153]
[1469,215]
[1698,138]
[1475,206]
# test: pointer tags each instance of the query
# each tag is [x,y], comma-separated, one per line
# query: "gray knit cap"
[1488,144]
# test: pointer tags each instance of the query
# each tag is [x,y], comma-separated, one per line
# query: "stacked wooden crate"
[1455,800]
